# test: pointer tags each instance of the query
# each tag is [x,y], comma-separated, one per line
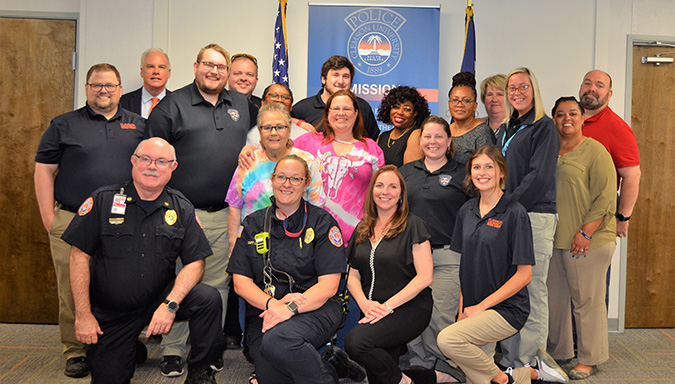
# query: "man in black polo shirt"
[337,73]
[89,148]
[125,241]
[208,126]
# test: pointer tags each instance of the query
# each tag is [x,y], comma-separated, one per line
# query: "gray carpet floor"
[32,354]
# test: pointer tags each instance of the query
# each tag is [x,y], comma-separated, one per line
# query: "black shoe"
[218,365]
[233,342]
[141,352]
[76,367]
[171,366]
[205,376]
[344,366]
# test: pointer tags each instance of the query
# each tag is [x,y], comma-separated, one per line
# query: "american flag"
[280,62]
[469,59]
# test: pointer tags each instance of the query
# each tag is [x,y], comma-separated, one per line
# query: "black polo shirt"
[90,150]
[318,250]
[435,197]
[207,139]
[311,110]
[133,255]
[492,247]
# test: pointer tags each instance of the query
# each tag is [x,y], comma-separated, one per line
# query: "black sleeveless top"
[394,149]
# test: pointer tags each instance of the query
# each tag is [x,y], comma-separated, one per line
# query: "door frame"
[56,16]
[631,41]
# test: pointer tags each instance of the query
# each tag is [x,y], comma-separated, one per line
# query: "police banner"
[388,45]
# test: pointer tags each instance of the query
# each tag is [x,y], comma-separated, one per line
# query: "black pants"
[111,360]
[287,353]
[376,346]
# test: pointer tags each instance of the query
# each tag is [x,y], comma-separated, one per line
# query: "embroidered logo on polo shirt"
[495,223]
[234,114]
[444,180]
[335,236]
[86,206]
[127,125]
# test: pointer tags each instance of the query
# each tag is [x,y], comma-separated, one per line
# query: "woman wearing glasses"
[530,143]
[468,132]
[405,109]
[287,264]
[251,188]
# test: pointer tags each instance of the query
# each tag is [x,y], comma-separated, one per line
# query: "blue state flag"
[280,61]
[469,59]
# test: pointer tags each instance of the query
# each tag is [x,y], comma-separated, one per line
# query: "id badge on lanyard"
[119,204]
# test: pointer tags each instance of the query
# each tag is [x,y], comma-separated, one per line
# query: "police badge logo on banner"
[375,46]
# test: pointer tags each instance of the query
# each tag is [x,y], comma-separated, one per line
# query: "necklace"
[391,141]
[344,142]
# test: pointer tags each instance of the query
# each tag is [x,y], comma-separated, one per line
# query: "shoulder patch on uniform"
[198,222]
[241,229]
[335,236]
[86,206]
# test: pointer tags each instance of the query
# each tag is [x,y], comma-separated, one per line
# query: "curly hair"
[398,95]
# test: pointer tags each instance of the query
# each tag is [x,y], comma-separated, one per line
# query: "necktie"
[155,100]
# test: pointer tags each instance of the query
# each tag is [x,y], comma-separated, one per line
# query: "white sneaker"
[548,369]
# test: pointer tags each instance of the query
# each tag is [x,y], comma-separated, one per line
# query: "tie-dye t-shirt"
[345,178]
[250,190]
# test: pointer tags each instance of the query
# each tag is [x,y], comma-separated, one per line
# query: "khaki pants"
[61,258]
[471,344]
[445,290]
[582,281]
[521,348]
[215,275]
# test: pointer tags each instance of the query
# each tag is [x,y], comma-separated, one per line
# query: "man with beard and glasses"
[207,124]
[605,126]
[81,151]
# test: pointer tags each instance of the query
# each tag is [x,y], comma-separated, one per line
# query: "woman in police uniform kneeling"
[286,264]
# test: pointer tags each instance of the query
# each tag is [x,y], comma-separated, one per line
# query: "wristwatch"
[292,307]
[171,305]
[621,217]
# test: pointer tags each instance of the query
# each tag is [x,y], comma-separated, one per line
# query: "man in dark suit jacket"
[155,71]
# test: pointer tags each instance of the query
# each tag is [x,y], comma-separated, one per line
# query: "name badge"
[119,205]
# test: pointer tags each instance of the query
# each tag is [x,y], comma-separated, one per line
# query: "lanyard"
[505,146]
[304,223]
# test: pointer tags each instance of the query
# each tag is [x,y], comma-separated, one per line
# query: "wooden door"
[650,285]
[36,84]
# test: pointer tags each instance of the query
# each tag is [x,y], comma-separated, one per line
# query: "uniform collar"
[451,165]
[501,206]
[197,98]
[162,200]
[94,115]
[318,101]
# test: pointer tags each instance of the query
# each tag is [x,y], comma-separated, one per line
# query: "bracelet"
[388,307]
[585,235]
[267,304]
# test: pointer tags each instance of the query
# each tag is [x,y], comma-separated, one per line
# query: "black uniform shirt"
[492,247]
[207,139]
[133,255]
[311,110]
[319,250]
[90,150]
[436,196]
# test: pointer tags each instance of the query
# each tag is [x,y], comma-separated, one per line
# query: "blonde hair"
[539,110]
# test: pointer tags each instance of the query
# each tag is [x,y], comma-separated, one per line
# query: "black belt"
[65,208]
[215,208]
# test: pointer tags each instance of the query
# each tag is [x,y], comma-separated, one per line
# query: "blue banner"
[388,46]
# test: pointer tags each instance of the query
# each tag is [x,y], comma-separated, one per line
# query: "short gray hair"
[153,50]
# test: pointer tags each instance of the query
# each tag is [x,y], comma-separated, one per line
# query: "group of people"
[441,233]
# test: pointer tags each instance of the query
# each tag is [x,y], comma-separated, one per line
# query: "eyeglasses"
[523,89]
[97,87]
[147,160]
[246,55]
[294,180]
[221,68]
[269,128]
[338,109]
[277,96]
[403,108]
[464,101]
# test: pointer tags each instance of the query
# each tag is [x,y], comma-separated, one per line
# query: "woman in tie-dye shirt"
[251,189]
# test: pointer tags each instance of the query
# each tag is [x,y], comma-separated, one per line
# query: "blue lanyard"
[505,146]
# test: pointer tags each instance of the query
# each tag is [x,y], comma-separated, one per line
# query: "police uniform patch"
[309,235]
[116,220]
[170,217]
[335,236]
[86,207]
[444,180]
[234,114]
